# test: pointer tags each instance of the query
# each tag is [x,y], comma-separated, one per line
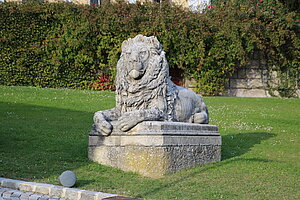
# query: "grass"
[44,132]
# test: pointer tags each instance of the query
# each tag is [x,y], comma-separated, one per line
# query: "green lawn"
[44,132]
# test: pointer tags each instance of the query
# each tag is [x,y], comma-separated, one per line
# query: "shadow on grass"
[232,146]
[239,144]
[38,142]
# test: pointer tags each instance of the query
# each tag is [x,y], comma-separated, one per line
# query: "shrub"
[67,45]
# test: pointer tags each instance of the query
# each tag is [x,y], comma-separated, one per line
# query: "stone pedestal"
[155,148]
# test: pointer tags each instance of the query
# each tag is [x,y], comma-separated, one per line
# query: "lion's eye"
[143,54]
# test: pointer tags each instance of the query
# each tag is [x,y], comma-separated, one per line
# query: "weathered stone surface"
[156,127]
[27,187]
[246,83]
[10,183]
[157,148]
[35,196]
[145,92]
[256,80]
[71,193]
[248,93]
[42,188]
[253,73]
[89,196]
[56,191]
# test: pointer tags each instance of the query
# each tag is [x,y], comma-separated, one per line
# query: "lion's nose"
[134,57]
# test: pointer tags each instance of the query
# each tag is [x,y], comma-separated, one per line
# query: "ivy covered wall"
[77,46]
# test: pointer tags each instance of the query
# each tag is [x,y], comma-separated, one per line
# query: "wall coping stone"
[53,190]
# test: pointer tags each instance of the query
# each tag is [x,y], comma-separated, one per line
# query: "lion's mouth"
[135,74]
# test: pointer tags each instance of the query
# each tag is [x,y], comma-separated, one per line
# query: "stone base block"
[157,148]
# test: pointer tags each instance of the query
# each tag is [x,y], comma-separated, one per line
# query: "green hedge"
[76,46]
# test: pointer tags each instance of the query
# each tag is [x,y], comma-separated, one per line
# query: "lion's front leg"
[130,119]
[102,119]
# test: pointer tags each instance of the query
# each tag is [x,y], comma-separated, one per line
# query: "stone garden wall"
[255,80]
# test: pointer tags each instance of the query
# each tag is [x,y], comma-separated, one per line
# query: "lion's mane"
[138,94]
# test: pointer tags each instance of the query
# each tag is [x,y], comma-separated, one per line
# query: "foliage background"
[75,46]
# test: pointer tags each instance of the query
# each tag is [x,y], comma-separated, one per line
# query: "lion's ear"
[154,41]
[124,43]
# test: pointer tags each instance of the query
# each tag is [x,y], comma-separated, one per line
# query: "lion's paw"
[127,122]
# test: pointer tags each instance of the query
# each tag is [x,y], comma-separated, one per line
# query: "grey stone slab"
[25,196]
[253,73]
[44,197]
[102,195]
[54,198]
[155,161]
[14,198]
[246,83]
[35,196]
[2,190]
[56,191]
[1,179]
[7,194]
[27,186]
[43,188]
[155,140]
[89,195]
[62,193]
[248,93]
[10,183]
[17,194]
[71,193]
[158,148]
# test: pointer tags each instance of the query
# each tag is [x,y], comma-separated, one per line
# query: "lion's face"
[142,73]
[135,58]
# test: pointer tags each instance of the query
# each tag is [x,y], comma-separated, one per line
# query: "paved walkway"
[11,189]
[11,194]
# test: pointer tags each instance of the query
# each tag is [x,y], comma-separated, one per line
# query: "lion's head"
[137,53]
[142,73]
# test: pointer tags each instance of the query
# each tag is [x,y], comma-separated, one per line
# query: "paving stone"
[10,183]
[102,195]
[44,197]
[56,191]
[43,188]
[29,192]
[14,198]
[25,196]
[89,195]
[2,190]
[34,197]
[7,194]
[72,193]
[27,187]
[54,198]
[17,193]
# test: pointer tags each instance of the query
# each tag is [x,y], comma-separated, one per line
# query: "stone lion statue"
[144,91]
